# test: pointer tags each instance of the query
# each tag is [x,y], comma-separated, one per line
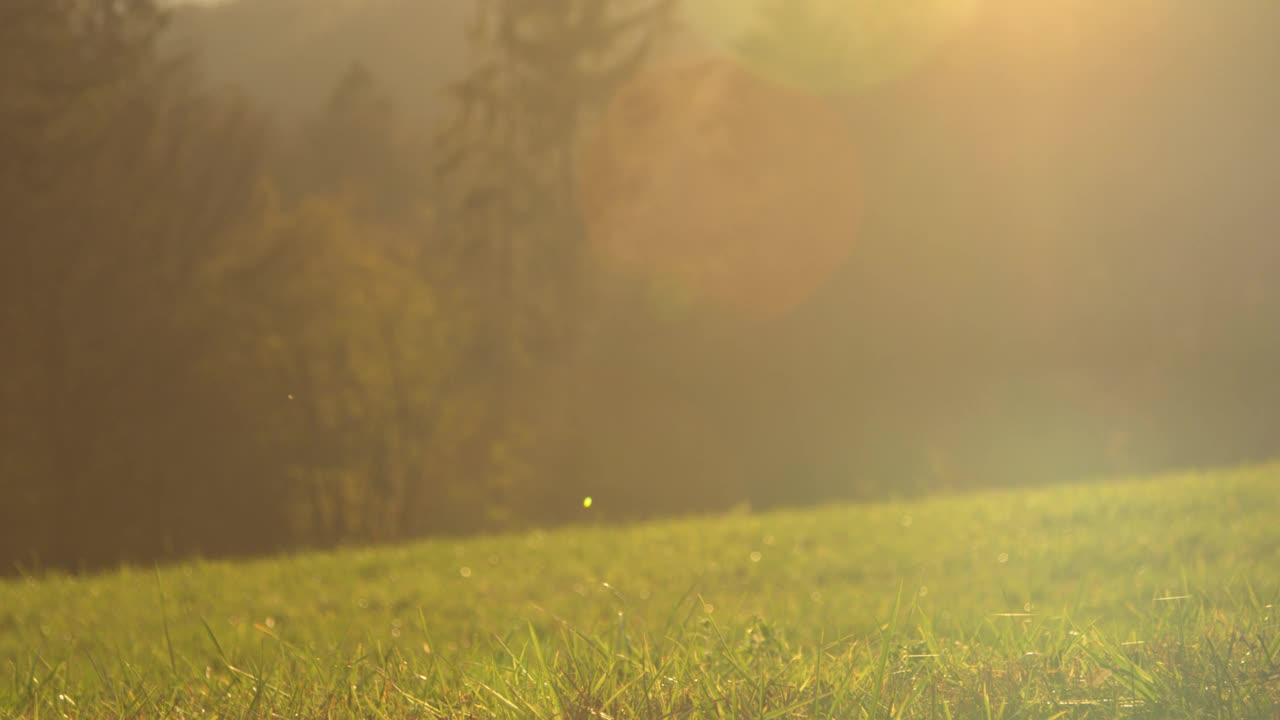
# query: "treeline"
[224,334]
[286,54]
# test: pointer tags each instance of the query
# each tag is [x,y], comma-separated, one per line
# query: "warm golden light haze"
[640,359]
[358,271]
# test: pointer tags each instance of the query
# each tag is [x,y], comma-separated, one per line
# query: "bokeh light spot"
[829,45]
[720,188]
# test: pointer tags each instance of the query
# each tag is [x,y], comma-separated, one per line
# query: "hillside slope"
[1005,573]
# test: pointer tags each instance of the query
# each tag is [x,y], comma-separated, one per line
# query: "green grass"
[1148,598]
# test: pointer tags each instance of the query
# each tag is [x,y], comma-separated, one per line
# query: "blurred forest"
[300,273]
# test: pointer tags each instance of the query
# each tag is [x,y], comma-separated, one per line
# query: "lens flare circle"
[831,46]
[721,188]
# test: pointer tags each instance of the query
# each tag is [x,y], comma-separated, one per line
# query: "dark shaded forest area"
[230,327]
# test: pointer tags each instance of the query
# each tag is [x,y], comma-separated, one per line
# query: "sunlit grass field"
[1144,598]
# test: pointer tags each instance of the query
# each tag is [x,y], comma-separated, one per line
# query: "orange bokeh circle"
[720,186]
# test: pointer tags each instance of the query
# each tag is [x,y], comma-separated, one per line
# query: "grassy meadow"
[1150,597]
